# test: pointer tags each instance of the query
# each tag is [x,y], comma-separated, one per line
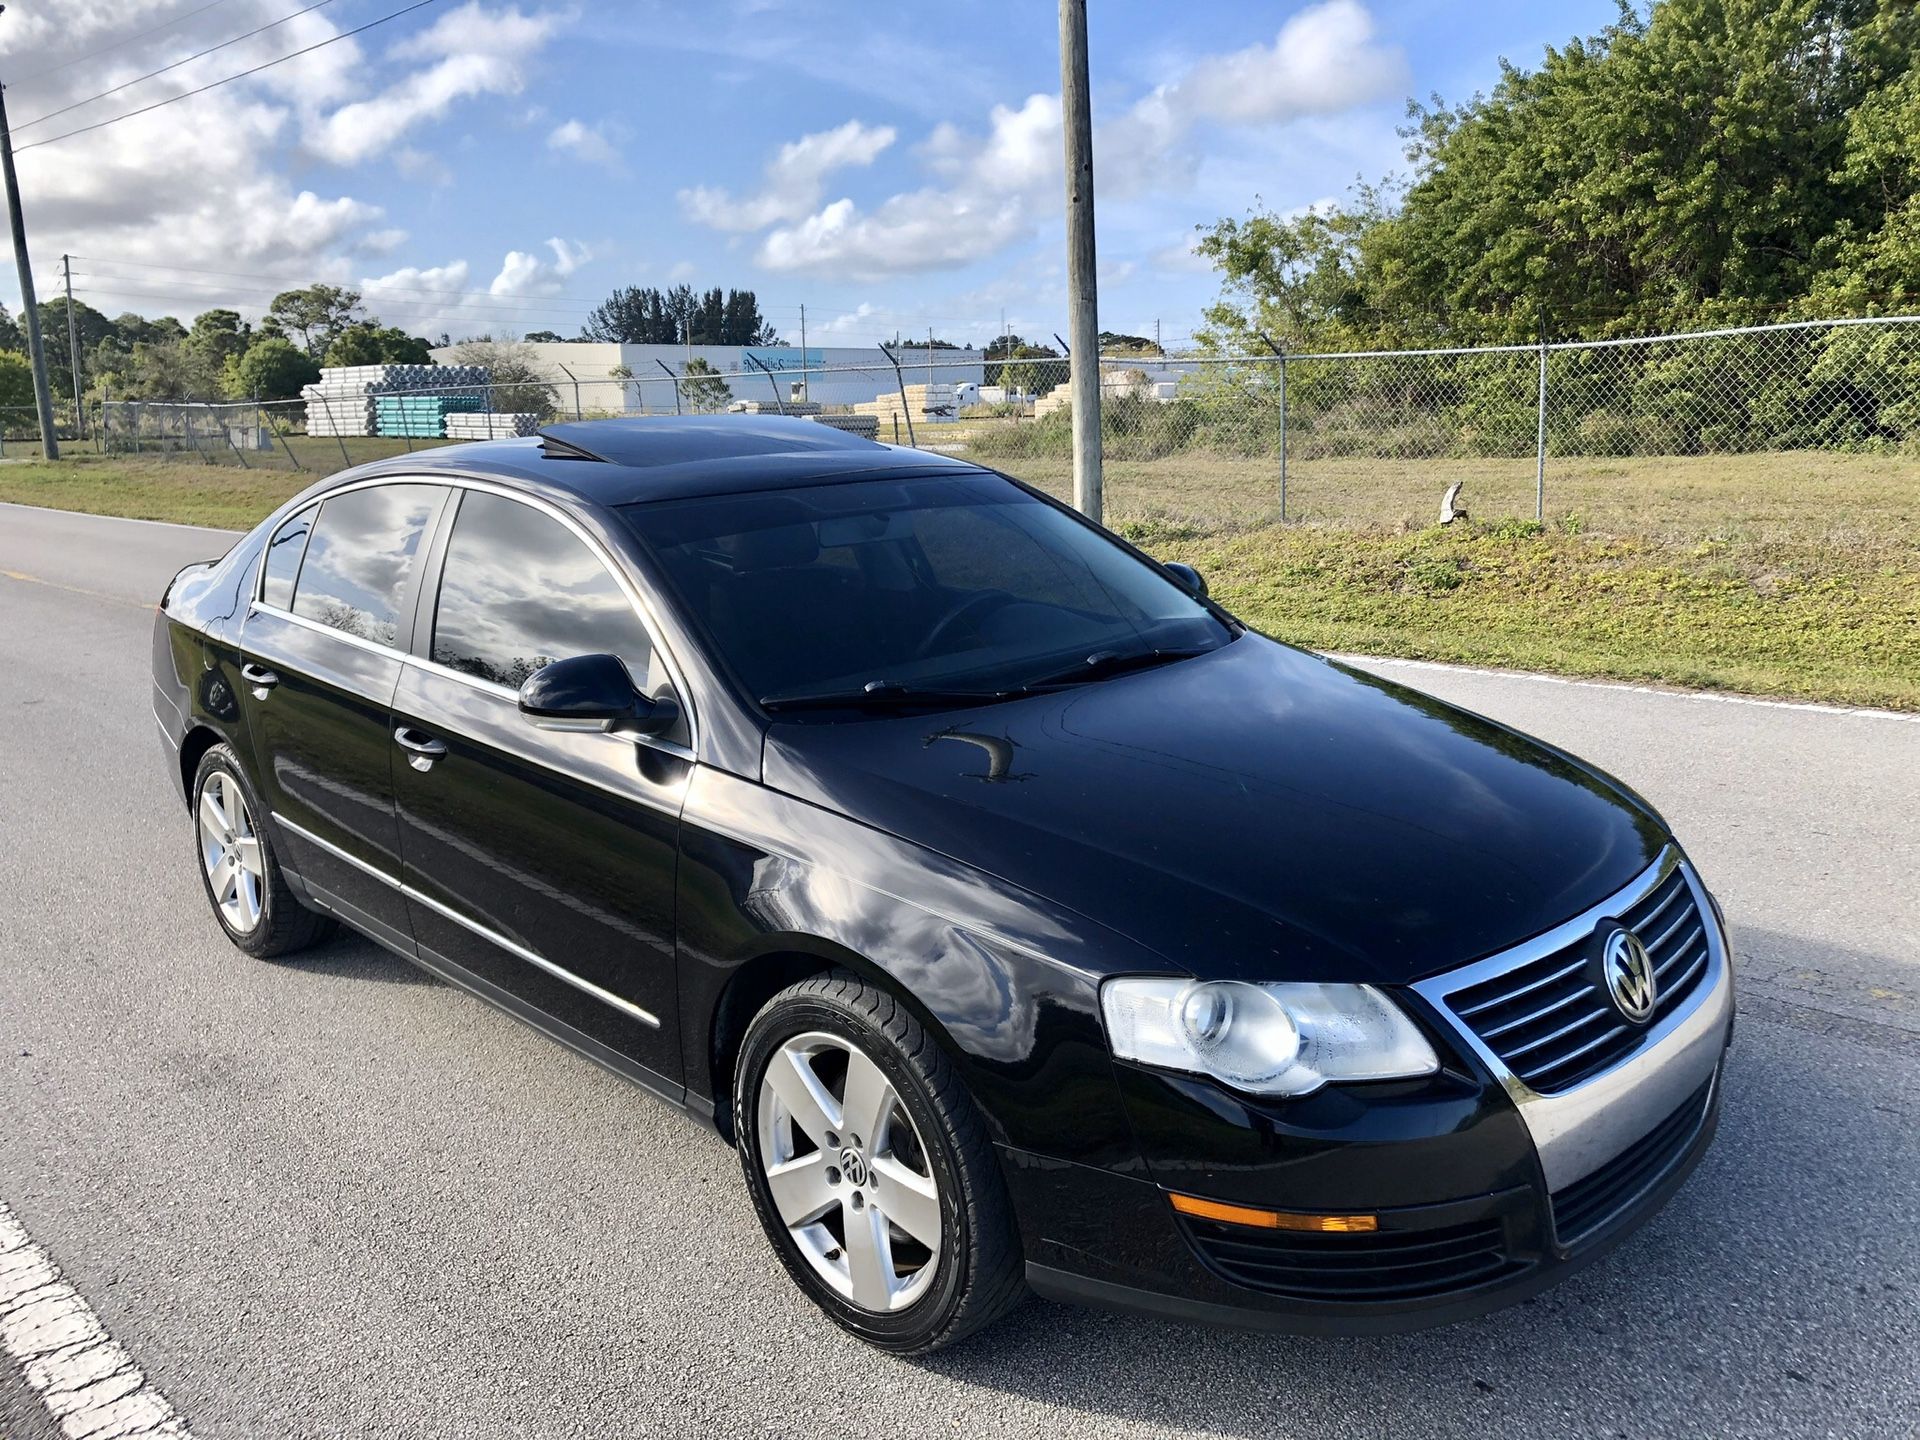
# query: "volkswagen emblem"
[1628,971]
[854,1166]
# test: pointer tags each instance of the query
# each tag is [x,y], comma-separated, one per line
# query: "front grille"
[1584,1206]
[1383,1265]
[1550,1020]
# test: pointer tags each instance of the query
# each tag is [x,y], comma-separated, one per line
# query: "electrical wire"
[188,95]
[129,39]
[42,119]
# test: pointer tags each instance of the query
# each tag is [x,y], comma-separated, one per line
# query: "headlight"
[1276,1039]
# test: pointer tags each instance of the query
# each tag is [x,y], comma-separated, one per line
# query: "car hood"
[1256,812]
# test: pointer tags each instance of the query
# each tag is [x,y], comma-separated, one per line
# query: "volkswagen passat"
[1026,921]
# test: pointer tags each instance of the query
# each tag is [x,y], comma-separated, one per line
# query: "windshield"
[964,584]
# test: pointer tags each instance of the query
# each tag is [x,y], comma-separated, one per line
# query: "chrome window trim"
[512,947]
[641,607]
[1578,1130]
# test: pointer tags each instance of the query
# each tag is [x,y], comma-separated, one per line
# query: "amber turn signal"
[1272,1219]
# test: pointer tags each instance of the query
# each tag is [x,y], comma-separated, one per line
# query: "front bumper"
[1484,1189]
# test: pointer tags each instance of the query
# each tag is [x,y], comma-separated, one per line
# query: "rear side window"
[289,543]
[360,557]
[519,590]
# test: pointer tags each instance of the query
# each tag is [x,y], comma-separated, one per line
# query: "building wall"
[651,389]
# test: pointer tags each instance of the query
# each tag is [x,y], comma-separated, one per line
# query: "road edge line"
[86,1379]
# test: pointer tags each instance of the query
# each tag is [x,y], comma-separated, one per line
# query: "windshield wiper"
[881,694]
[1104,664]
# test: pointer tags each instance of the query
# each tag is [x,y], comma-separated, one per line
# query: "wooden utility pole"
[1083,314]
[73,348]
[36,352]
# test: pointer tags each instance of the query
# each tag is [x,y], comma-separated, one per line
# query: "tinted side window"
[361,555]
[520,591]
[289,543]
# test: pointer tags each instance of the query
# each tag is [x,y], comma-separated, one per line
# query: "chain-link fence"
[1684,431]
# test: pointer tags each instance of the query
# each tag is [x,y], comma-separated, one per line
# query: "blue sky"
[501,166]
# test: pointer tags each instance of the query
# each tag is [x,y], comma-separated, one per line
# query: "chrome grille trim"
[1586,1122]
[1546,1016]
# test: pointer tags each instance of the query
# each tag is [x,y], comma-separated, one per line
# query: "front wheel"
[870,1169]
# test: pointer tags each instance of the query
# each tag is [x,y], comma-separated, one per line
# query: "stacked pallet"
[493,426]
[1058,398]
[768,407]
[928,402]
[419,416]
[343,402]
[866,426]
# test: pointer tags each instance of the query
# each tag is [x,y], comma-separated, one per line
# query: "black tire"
[285,925]
[980,1275]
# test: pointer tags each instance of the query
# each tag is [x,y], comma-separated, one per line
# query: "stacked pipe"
[495,426]
[343,402]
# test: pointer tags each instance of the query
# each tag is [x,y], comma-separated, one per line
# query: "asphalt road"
[336,1198]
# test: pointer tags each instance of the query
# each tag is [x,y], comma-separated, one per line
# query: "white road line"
[119,519]
[1709,696]
[88,1382]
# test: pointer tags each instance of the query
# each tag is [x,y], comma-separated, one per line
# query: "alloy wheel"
[230,851]
[849,1174]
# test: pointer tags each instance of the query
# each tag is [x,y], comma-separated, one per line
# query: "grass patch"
[1794,575]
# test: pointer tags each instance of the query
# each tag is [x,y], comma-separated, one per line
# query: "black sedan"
[1026,921]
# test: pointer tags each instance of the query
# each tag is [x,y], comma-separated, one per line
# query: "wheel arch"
[194,745]
[756,980]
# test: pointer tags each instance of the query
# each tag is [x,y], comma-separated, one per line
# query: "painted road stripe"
[88,1382]
[1709,696]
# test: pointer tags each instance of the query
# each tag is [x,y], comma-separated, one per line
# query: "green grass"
[1794,575]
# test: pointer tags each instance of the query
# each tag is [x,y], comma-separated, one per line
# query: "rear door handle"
[261,678]
[422,749]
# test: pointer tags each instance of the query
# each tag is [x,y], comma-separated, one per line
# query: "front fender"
[1008,983]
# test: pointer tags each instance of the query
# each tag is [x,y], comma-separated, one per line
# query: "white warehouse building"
[639,379]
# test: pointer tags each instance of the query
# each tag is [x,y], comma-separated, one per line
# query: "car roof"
[670,457]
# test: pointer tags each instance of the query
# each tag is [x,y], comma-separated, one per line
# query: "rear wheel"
[241,875]
[870,1169]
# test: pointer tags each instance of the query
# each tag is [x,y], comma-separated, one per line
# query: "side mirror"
[592,693]
[1191,580]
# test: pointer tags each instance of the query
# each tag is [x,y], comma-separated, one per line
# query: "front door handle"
[422,749]
[260,678]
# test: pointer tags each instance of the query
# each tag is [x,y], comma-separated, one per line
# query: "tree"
[544,337]
[16,380]
[520,384]
[272,368]
[314,314]
[162,369]
[11,335]
[702,388]
[632,315]
[92,328]
[1019,364]
[219,336]
[1698,162]
[370,343]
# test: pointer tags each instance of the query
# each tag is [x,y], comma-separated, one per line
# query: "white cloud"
[472,51]
[590,144]
[1323,60]
[683,270]
[795,179]
[992,188]
[522,273]
[422,167]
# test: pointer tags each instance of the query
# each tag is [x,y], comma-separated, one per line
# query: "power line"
[452,299]
[343,35]
[174,66]
[418,309]
[129,39]
[276,279]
